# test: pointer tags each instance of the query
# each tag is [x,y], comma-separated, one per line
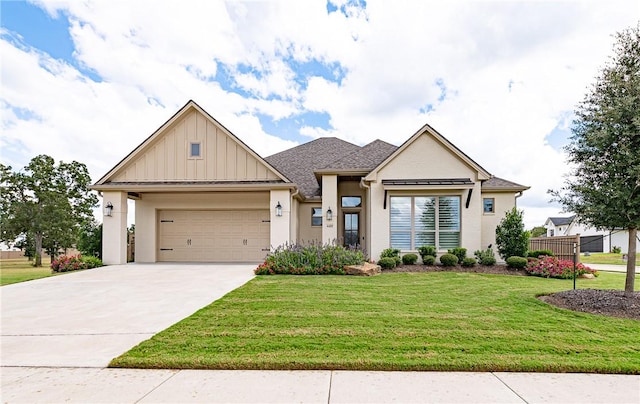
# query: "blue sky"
[89,81]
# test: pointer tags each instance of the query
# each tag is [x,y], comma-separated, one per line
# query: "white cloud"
[512,71]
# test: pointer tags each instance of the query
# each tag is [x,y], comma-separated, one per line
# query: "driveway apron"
[87,318]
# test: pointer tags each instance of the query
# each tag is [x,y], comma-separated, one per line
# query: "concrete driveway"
[87,318]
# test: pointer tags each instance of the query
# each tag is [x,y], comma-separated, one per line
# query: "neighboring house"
[201,194]
[591,239]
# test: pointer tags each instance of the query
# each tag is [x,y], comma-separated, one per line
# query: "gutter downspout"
[518,195]
[367,238]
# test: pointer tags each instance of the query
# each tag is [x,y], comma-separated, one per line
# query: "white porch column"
[280,225]
[330,201]
[114,228]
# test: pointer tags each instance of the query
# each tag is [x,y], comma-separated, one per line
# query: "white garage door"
[213,236]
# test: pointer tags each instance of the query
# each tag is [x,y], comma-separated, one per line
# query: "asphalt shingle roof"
[500,183]
[299,163]
[365,158]
[561,221]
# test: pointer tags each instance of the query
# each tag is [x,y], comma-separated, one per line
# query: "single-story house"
[203,195]
[591,239]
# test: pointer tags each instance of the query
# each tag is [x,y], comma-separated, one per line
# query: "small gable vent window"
[195,151]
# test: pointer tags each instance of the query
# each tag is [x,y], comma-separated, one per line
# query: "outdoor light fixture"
[278,209]
[329,214]
[108,208]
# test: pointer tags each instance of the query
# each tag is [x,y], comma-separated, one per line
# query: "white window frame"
[190,149]
[437,231]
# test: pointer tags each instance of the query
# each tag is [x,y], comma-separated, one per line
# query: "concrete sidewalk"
[95,385]
[611,268]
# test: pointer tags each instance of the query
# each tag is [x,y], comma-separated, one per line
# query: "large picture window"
[425,220]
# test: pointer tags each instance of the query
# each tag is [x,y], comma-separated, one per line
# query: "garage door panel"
[222,236]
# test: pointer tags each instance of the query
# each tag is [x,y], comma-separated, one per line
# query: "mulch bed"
[612,303]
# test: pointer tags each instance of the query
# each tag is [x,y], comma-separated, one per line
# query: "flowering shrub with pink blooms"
[552,267]
[68,263]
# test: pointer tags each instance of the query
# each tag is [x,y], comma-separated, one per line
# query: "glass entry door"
[351,229]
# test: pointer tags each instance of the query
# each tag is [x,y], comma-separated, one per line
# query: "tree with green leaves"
[90,239]
[538,231]
[45,201]
[603,189]
[511,237]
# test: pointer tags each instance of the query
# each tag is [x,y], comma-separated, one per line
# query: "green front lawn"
[20,270]
[404,321]
[606,258]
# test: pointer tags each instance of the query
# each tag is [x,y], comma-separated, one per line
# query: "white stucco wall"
[504,202]
[329,201]
[114,229]
[425,158]
[280,226]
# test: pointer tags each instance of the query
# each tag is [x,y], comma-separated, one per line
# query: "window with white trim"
[194,150]
[417,221]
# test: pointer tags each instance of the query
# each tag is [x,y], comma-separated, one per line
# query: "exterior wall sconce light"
[108,208]
[278,209]
[329,214]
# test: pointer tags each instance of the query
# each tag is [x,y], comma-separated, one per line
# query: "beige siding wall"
[307,232]
[149,204]
[167,158]
[504,201]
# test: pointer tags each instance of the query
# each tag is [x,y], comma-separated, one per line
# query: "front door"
[351,229]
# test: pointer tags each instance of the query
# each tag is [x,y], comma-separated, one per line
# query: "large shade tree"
[46,201]
[603,188]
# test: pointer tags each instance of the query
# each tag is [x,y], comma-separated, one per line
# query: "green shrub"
[448,260]
[390,252]
[91,261]
[539,253]
[426,251]
[469,262]
[511,237]
[428,260]
[409,259]
[485,257]
[387,262]
[516,262]
[459,252]
[616,249]
[310,259]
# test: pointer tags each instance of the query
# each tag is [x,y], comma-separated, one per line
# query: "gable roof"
[428,130]
[498,184]
[149,141]
[299,162]
[561,221]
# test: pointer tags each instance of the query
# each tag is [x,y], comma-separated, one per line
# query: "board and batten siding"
[222,158]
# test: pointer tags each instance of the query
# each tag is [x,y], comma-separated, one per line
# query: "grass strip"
[405,321]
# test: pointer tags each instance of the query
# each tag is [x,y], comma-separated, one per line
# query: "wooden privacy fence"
[561,246]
